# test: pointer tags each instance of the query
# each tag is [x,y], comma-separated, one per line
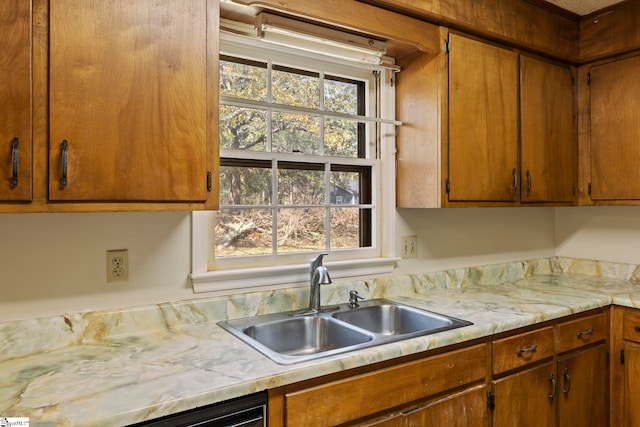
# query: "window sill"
[274,277]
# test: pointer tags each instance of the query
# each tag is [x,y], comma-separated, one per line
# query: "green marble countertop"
[119,367]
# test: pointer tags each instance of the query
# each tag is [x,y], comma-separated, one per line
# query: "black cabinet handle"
[515,181]
[64,148]
[554,387]
[15,161]
[528,182]
[585,333]
[567,382]
[527,350]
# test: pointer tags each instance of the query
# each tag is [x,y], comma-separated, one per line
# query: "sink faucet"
[319,276]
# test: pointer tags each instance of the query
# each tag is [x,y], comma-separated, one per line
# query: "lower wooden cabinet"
[467,408]
[626,368]
[525,398]
[555,375]
[583,383]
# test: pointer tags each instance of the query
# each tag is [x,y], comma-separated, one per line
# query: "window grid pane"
[302,218]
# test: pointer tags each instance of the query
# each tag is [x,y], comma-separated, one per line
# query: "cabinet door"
[631,384]
[483,122]
[583,388]
[128,95]
[526,399]
[15,100]
[548,132]
[615,130]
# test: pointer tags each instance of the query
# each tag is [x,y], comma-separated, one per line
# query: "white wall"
[55,263]
[607,233]
[450,238]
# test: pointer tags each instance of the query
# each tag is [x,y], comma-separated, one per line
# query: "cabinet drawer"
[520,350]
[631,326]
[356,397]
[580,332]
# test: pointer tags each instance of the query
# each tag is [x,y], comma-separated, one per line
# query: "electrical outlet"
[409,247]
[118,265]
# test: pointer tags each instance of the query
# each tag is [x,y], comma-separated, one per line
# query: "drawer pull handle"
[64,148]
[567,382]
[531,349]
[15,162]
[554,387]
[585,333]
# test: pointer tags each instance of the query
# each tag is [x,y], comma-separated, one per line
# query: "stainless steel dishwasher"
[246,411]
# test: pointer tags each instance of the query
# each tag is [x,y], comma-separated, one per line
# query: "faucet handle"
[353,299]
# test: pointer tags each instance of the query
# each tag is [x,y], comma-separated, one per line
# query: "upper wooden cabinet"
[15,100]
[483,122]
[499,130]
[612,154]
[548,140]
[128,100]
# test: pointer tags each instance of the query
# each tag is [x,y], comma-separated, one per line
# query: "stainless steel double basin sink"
[291,337]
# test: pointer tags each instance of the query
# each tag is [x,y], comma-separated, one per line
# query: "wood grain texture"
[128,92]
[522,399]
[483,122]
[614,131]
[15,98]
[511,21]
[611,32]
[355,15]
[582,388]
[574,334]
[353,398]
[508,352]
[418,139]
[548,133]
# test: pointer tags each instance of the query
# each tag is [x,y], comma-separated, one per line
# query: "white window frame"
[379,260]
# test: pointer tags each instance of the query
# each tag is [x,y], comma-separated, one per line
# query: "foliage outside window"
[298,160]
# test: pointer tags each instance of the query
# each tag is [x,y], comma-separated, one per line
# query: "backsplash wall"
[55,263]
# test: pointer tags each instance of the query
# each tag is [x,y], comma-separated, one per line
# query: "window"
[300,166]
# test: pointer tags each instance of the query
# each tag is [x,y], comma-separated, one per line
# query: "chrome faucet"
[319,276]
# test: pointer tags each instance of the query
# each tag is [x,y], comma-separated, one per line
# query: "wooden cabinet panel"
[128,92]
[631,384]
[615,130]
[548,132]
[577,333]
[483,122]
[15,100]
[526,399]
[631,326]
[522,349]
[465,409]
[353,398]
[583,388]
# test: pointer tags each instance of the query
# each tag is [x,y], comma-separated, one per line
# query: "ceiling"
[584,7]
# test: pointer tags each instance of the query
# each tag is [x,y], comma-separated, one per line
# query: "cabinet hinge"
[448,186]
[589,188]
[622,357]
[491,400]
[575,190]
[588,78]
[209,184]
[447,46]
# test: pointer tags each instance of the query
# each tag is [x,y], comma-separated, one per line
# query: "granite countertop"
[123,366]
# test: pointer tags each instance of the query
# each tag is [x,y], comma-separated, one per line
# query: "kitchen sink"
[292,337]
[395,319]
[297,336]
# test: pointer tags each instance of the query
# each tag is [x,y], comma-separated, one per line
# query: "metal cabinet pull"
[528,182]
[531,349]
[15,161]
[64,148]
[515,181]
[554,387]
[567,382]
[585,333]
